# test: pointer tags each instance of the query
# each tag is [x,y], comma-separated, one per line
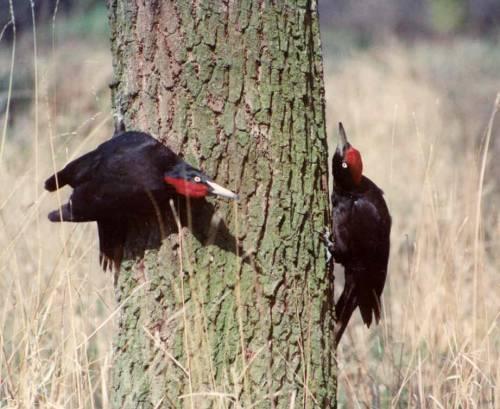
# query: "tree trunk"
[237,88]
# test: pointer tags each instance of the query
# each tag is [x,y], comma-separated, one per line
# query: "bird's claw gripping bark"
[326,237]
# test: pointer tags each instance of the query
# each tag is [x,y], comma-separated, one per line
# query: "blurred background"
[413,81]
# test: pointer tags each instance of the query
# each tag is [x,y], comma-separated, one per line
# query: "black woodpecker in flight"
[132,173]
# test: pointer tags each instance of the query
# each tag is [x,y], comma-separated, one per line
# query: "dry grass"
[56,306]
[438,346]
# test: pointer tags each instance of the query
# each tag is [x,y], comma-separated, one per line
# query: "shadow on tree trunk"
[139,234]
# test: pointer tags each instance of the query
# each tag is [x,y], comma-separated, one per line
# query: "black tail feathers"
[369,306]
[353,296]
[344,315]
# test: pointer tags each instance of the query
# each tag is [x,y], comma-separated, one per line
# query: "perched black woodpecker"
[360,236]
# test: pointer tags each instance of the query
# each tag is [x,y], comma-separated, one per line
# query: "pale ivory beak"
[221,191]
[342,138]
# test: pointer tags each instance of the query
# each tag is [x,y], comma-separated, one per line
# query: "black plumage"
[131,174]
[361,230]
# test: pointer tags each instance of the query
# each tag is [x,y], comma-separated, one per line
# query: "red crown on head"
[353,160]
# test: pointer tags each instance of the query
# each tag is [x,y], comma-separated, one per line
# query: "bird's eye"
[344,165]
[197,179]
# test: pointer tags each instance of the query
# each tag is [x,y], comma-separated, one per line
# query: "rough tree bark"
[237,88]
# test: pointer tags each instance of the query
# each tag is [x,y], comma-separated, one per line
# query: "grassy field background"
[422,116]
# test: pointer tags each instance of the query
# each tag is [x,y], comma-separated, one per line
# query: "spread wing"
[133,160]
[76,172]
